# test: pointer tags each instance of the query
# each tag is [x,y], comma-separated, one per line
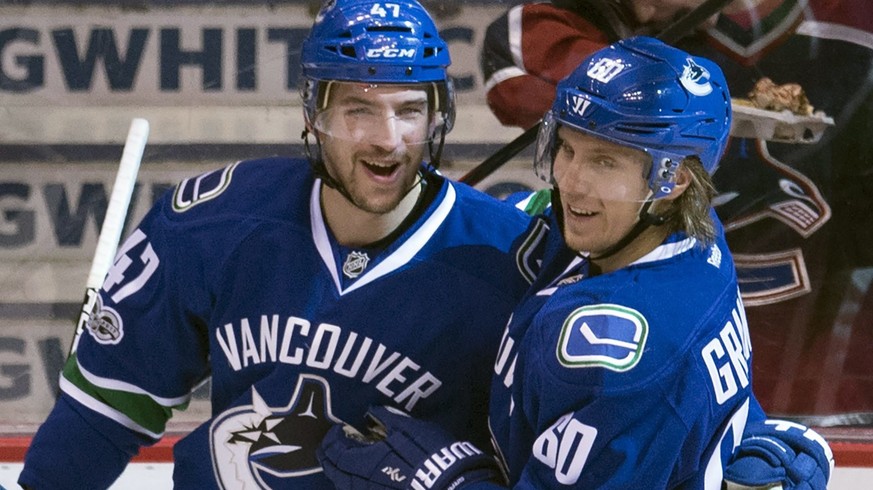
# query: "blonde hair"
[690,211]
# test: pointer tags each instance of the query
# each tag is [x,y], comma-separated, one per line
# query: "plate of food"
[780,113]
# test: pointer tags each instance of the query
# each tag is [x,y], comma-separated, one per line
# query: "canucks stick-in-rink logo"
[254,442]
[606,335]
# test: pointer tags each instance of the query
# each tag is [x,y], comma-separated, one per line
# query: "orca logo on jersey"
[191,192]
[255,442]
[606,335]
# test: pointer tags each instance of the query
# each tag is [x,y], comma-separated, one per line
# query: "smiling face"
[373,139]
[602,189]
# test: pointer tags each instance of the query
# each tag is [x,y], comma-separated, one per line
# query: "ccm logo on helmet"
[386,52]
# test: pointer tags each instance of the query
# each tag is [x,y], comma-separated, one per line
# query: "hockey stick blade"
[116,212]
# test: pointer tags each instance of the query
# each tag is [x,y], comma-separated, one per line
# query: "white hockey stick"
[116,212]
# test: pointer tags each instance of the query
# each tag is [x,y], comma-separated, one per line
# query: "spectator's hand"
[780,454]
[398,450]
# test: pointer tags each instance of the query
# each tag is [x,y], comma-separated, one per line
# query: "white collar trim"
[397,259]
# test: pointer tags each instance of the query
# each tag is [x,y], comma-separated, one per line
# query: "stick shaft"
[113,222]
[501,156]
[691,20]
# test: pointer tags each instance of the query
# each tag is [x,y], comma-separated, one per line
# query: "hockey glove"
[775,452]
[401,452]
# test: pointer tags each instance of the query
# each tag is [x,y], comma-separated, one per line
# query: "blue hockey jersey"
[234,277]
[637,378]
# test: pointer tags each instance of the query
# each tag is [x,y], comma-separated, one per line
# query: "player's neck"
[648,240]
[355,227]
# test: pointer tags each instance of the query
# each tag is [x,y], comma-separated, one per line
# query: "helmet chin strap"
[436,154]
[319,169]
[646,219]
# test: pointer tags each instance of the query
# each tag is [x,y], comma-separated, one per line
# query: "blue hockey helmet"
[644,94]
[380,43]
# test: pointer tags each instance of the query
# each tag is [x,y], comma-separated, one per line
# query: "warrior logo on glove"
[399,452]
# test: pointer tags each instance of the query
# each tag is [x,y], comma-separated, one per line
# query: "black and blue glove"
[401,452]
[775,452]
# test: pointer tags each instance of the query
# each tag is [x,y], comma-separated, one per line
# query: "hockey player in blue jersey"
[626,366]
[306,291]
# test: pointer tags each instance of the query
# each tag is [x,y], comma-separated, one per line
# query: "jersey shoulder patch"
[606,335]
[204,187]
[269,188]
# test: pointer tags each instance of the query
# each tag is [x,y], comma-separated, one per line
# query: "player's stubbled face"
[602,188]
[373,139]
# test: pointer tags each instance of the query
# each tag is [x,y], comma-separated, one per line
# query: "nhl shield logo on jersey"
[255,445]
[607,335]
[355,264]
[104,324]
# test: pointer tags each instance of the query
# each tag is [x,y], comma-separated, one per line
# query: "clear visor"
[601,180]
[387,114]
[583,164]
[544,152]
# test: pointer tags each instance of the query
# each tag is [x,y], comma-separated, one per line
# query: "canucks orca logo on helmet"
[695,78]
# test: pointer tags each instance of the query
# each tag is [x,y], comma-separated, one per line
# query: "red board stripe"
[12,449]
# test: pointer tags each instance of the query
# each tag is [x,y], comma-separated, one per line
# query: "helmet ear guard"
[442,98]
[662,179]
